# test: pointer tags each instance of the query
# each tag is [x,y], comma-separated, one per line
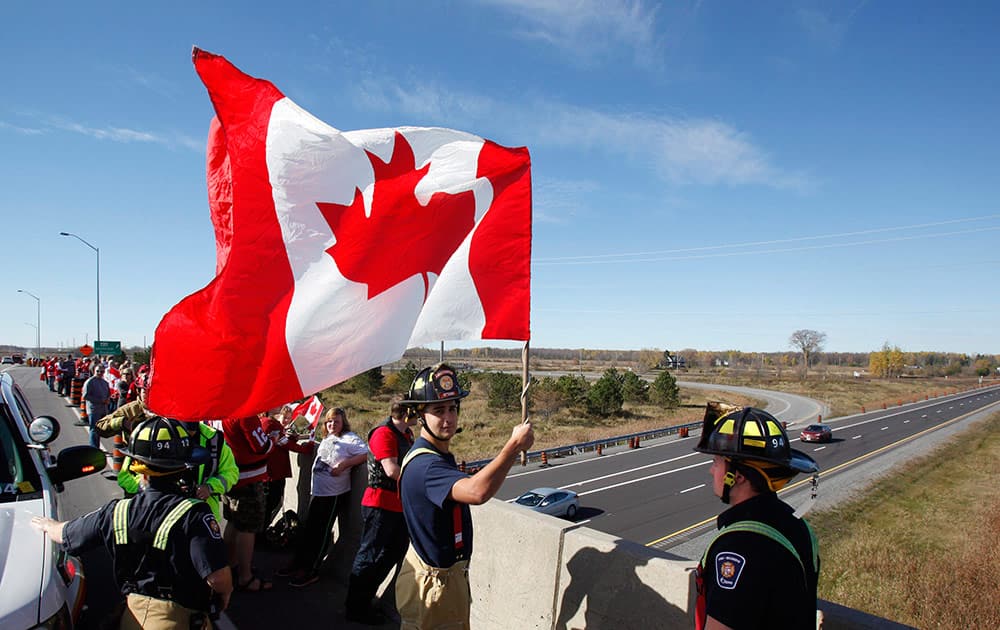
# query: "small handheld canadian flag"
[311,410]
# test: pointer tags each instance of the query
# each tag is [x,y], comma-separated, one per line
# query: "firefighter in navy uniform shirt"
[432,589]
[761,569]
[167,549]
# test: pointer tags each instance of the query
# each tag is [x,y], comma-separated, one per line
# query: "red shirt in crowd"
[381,446]
[278,464]
[251,446]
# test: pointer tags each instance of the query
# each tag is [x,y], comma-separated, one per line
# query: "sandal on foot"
[304,580]
[254,585]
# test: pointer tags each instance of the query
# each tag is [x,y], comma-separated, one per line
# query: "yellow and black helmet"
[434,384]
[753,437]
[164,445]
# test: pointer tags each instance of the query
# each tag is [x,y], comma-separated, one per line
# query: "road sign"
[108,348]
[86,350]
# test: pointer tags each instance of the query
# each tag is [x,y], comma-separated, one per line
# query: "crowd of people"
[415,509]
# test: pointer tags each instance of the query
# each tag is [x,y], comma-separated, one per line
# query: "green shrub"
[605,396]
[665,391]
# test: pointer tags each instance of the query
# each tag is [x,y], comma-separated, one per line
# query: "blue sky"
[712,175]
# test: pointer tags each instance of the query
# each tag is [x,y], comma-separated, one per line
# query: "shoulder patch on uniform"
[728,567]
[213,526]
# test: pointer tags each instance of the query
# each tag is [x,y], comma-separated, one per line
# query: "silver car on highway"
[553,501]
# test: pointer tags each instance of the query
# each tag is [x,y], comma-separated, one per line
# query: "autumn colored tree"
[983,366]
[649,359]
[887,362]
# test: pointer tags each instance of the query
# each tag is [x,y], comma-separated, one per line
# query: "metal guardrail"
[583,447]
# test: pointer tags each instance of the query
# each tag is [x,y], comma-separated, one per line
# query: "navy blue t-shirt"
[430,514]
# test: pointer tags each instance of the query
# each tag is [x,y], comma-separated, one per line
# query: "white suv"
[40,585]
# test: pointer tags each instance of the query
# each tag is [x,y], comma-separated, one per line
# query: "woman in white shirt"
[339,451]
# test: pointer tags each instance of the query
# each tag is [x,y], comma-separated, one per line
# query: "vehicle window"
[814,427]
[17,472]
[555,497]
[530,499]
[22,406]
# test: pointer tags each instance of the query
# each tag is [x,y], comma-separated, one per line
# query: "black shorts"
[246,507]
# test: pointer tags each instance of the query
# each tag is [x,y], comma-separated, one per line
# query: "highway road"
[661,494]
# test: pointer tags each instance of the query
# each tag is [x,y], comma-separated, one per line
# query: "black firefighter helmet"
[433,384]
[751,436]
[163,446]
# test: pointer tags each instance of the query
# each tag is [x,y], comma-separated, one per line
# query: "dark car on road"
[816,433]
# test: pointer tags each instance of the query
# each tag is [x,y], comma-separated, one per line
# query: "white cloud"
[681,150]
[25,131]
[109,133]
[587,28]
[423,100]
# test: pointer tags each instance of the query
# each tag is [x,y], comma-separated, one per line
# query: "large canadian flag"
[336,251]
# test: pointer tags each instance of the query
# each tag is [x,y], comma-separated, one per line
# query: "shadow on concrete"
[610,586]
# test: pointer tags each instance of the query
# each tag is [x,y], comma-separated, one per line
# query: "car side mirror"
[77,461]
[43,429]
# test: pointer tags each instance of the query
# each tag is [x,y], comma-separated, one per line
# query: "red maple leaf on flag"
[402,237]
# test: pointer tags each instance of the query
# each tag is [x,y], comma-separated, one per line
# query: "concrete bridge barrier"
[530,570]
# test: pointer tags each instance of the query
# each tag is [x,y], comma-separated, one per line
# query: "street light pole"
[98,252]
[38,320]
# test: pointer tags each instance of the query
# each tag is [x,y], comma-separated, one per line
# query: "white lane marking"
[884,428]
[818,449]
[625,483]
[906,422]
[630,470]
[856,437]
[924,416]
[692,488]
[591,460]
[938,411]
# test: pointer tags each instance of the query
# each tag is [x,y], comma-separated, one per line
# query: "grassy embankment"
[921,547]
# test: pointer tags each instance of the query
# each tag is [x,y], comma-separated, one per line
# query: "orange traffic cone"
[117,457]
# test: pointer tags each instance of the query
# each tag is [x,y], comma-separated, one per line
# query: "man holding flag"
[432,590]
